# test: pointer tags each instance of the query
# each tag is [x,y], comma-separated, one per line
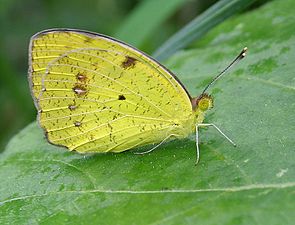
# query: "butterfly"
[94,93]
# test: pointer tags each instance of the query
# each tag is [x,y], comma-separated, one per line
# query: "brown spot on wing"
[129,62]
[77,124]
[72,107]
[80,89]
[88,40]
[81,77]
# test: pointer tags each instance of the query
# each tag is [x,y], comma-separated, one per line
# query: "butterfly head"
[200,105]
[204,102]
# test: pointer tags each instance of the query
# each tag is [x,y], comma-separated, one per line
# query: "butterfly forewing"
[96,94]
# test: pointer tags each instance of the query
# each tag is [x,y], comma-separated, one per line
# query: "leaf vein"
[171,191]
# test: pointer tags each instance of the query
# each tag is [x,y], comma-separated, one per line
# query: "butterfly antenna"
[236,60]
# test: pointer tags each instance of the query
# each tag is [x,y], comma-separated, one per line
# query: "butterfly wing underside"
[97,94]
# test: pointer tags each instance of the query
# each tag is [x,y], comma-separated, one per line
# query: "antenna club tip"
[237,59]
[243,53]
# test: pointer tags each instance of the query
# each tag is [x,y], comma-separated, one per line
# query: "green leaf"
[253,183]
[198,27]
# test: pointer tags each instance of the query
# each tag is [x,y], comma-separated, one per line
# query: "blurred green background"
[19,20]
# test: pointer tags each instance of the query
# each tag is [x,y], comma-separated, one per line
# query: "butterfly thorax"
[201,105]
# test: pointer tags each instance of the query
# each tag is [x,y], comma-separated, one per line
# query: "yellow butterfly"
[97,94]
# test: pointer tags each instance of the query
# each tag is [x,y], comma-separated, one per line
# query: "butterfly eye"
[205,103]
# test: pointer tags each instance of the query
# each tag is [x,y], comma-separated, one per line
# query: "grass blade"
[198,27]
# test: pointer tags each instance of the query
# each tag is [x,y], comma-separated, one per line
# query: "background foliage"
[19,20]
[251,184]
[123,19]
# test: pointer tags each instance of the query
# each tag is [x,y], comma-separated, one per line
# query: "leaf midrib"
[171,191]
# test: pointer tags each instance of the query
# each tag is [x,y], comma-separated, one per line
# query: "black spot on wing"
[121,97]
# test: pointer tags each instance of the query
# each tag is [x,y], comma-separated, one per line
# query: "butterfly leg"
[197,137]
[152,149]
[197,145]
